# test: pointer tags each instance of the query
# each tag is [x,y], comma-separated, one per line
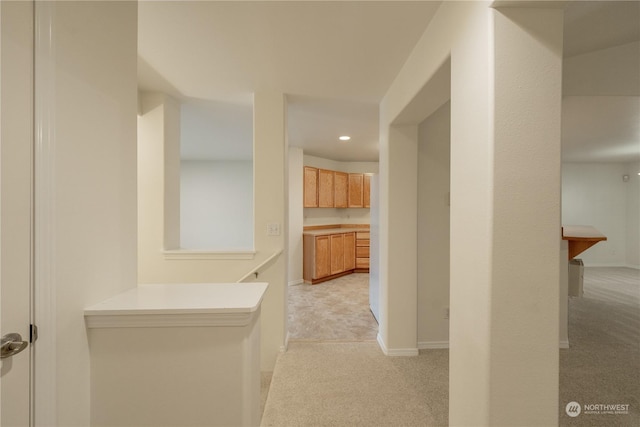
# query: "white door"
[16,136]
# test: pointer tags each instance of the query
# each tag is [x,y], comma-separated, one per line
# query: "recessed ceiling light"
[344,138]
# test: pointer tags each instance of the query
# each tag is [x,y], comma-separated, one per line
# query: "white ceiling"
[597,126]
[335,60]
[595,25]
[601,128]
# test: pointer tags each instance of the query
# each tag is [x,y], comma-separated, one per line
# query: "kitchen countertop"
[325,231]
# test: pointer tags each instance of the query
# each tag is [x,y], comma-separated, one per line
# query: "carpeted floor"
[325,383]
[602,365]
[354,384]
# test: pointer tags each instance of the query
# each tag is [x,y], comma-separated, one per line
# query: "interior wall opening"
[330,212]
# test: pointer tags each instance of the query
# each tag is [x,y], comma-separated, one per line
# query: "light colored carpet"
[326,383]
[603,364]
[354,384]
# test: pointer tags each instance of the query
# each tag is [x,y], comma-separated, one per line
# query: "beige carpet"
[324,383]
[603,364]
[354,384]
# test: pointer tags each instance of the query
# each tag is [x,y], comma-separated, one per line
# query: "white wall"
[94,246]
[296,220]
[322,216]
[434,145]
[633,215]
[216,204]
[594,194]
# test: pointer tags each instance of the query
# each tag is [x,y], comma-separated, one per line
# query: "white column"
[398,311]
[526,215]
[171,226]
[505,311]
[269,125]
[158,179]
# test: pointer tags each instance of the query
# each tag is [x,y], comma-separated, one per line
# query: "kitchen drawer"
[362,252]
[363,235]
[362,242]
[362,262]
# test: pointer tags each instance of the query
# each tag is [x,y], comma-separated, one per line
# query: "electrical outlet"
[273,229]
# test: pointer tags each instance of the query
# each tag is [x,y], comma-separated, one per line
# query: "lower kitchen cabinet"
[349,251]
[322,261]
[328,256]
[362,251]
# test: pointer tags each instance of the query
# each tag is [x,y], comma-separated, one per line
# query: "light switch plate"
[273,229]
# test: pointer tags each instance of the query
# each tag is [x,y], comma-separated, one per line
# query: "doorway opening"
[330,212]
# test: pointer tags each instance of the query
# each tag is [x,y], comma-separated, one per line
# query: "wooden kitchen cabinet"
[328,256]
[356,187]
[325,188]
[362,251]
[310,187]
[366,191]
[322,257]
[341,189]
[337,253]
[349,251]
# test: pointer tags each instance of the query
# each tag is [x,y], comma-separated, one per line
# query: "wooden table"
[581,238]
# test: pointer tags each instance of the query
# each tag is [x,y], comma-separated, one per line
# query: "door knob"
[11,344]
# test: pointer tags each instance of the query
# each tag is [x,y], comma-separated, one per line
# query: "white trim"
[427,345]
[564,343]
[97,321]
[45,316]
[296,282]
[395,351]
[382,345]
[183,254]
[403,352]
[597,264]
[285,346]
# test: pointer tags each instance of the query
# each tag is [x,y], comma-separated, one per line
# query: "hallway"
[353,383]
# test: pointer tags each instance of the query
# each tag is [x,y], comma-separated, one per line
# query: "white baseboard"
[296,282]
[285,346]
[426,345]
[382,345]
[597,264]
[395,351]
[433,345]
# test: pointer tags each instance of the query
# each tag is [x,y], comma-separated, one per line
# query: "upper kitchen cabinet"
[310,187]
[325,188]
[341,189]
[367,191]
[356,189]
